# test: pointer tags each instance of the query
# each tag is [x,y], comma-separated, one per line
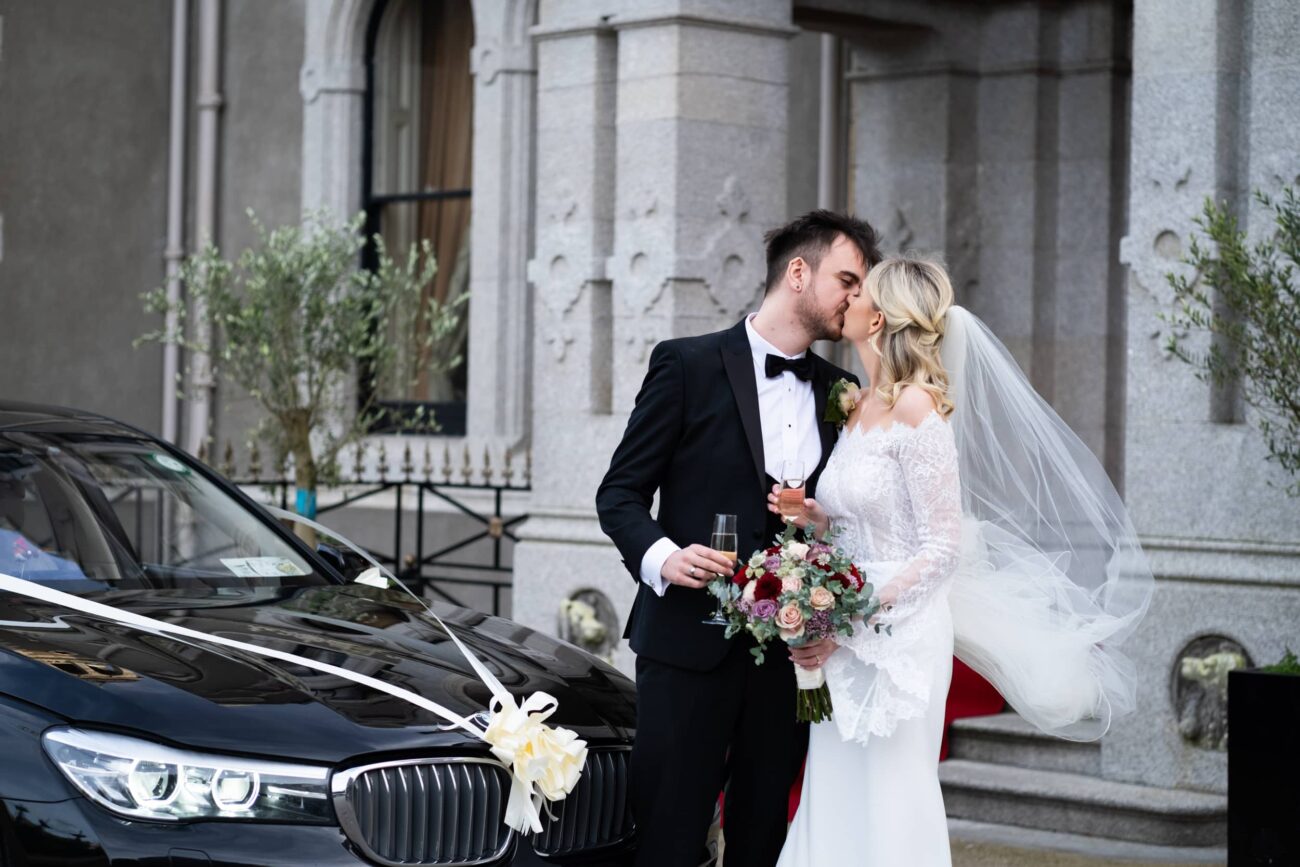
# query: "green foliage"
[1288,665]
[298,325]
[1244,296]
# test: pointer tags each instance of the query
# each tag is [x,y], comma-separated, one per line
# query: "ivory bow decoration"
[537,755]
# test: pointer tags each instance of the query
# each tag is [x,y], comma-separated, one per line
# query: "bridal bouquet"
[801,592]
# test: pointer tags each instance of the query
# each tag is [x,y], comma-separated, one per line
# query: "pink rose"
[791,585]
[790,621]
[821,599]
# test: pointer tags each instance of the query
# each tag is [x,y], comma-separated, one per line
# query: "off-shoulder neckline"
[874,429]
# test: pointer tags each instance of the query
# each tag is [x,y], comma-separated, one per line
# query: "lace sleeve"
[928,459]
[880,677]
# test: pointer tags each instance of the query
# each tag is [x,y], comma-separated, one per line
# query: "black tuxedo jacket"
[696,438]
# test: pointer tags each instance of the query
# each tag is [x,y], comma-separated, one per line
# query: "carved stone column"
[563,553]
[661,160]
[500,358]
[701,170]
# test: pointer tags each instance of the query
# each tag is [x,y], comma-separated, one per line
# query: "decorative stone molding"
[724,265]
[640,345]
[1282,170]
[738,25]
[1153,254]
[1200,689]
[490,58]
[344,78]
[639,279]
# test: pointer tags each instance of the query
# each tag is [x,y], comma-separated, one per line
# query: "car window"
[90,512]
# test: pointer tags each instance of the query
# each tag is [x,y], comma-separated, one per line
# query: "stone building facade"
[627,156]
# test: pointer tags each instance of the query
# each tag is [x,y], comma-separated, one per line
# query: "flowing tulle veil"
[1051,579]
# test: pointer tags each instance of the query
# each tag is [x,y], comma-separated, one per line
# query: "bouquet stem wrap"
[814,700]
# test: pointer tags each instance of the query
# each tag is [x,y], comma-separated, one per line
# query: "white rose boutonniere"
[841,401]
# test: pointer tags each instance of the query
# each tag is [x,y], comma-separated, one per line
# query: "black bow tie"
[801,367]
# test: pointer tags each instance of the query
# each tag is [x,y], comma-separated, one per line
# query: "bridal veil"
[1051,579]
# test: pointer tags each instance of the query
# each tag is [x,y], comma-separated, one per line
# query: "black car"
[121,746]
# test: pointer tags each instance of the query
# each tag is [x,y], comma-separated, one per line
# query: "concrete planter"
[1263,768]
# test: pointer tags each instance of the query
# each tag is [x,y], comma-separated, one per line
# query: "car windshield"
[90,512]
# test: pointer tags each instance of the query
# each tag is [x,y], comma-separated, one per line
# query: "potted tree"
[311,337]
[1246,299]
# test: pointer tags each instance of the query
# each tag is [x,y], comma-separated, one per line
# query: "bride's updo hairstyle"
[914,294]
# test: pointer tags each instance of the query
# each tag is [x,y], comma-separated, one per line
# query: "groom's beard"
[819,324]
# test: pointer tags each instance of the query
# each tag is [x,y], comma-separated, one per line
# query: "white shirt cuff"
[652,564]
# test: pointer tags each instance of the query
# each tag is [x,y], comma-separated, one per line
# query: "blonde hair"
[914,295]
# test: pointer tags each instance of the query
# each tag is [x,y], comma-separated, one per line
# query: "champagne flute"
[723,540]
[790,500]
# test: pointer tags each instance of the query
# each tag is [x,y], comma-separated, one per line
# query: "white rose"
[797,549]
[748,593]
[791,584]
[849,398]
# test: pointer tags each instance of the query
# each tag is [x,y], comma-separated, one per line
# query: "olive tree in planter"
[1264,764]
[299,326]
[1247,298]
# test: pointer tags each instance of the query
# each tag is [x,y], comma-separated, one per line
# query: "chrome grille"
[595,814]
[425,811]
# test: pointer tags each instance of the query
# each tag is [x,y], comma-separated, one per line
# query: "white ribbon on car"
[545,762]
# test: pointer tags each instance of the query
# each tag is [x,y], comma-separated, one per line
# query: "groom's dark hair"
[810,236]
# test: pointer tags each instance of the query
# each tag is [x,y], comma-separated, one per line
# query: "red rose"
[741,578]
[774,551]
[769,587]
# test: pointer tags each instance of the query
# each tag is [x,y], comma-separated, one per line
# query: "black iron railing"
[414,491]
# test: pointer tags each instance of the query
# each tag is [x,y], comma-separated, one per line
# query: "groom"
[716,417]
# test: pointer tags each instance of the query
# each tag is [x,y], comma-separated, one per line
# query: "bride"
[988,529]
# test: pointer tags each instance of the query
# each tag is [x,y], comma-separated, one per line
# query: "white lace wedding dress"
[871,790]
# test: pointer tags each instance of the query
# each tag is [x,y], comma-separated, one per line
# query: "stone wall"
[1216,96]
[83,176]
[85,103]
[995,136]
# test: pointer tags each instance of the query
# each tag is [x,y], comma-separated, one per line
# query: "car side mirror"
[346,562]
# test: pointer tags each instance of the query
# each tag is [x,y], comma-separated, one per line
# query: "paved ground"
[977,845]
[992,855]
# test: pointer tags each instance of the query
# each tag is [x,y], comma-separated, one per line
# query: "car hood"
[92,671]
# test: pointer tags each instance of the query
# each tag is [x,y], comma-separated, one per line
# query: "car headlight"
[146,780]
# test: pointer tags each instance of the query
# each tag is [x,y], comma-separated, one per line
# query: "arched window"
[416,179]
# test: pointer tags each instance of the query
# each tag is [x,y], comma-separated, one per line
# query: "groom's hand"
[695,566]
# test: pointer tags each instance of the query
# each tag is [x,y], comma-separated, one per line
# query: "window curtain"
[447,122]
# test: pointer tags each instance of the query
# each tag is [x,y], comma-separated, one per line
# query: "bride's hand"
[814,654]
[887,596]
[814,516]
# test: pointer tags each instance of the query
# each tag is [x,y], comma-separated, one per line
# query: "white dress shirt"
[787,411]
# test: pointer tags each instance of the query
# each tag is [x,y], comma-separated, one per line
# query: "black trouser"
[698,729]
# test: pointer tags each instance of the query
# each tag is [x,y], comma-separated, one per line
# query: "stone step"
[1007,739]
[1080,804]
